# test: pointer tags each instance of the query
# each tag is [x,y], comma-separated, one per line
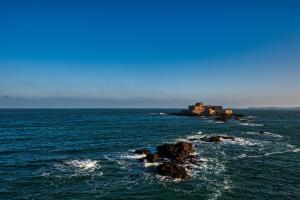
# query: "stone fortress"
[200,109]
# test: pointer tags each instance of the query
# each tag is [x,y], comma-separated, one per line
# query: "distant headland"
[275,108]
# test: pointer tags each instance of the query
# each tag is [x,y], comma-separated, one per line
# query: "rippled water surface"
[87,154]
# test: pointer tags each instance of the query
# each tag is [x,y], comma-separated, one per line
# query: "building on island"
[206,110]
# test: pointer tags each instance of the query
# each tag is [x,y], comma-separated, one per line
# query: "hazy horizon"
[149,54]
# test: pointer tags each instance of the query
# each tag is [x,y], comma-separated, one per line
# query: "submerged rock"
[173,170]
[216,139]
[261,132]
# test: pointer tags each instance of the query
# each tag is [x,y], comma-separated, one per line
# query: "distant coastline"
[275,108]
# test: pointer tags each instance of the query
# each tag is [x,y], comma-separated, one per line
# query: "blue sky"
[149,53]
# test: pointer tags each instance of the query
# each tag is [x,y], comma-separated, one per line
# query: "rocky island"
[218,112]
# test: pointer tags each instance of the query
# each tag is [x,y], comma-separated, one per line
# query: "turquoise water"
[87,154]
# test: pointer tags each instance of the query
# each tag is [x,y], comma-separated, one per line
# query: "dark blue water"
[87,154]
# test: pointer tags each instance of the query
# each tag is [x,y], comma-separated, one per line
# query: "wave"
[88,165]
[75,168]
[265,133]
[219,122]
[250,124]
[242,141]
[72,168]
[196,138]
[147,164]
[291,150]
[159,113]
[273,134]
[135,156]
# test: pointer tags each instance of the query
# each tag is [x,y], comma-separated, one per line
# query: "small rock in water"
[261,132]
[222,118]
[152,158]
[216,139]
[142,151]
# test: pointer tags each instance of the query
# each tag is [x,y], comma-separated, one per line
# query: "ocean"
[88,154]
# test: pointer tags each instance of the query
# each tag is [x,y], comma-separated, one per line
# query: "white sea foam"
[136,156]
[295,150]
[291,149]
[219,122]
[147,164]
[203,160]
[241,141]
[265,133]
[242,155]
[74,168]
[250,124]
[183,140]
[88,164]
[273,134]
[160,113]
[191,137]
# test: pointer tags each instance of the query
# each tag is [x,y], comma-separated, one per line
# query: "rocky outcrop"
[200,109]
[173,170]
[171,158]
[177,152]
[216,139]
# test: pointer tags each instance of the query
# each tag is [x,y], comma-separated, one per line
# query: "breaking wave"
[73,168]
[86,165]
[250,124]
[133,156]
[264,133]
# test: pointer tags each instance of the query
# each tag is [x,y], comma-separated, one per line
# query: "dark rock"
[173,170]
[193,161]
[142,151]
[222,118]
[189,167]
[238,116]
[192,139]
[185,114]
[177,152]
[261,132]
[216,139]
[152,158]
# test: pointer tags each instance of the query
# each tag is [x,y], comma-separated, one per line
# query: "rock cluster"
[171,158]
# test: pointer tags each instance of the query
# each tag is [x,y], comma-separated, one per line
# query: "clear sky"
[149,53]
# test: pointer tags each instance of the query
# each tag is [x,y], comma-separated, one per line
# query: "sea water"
[88,154]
